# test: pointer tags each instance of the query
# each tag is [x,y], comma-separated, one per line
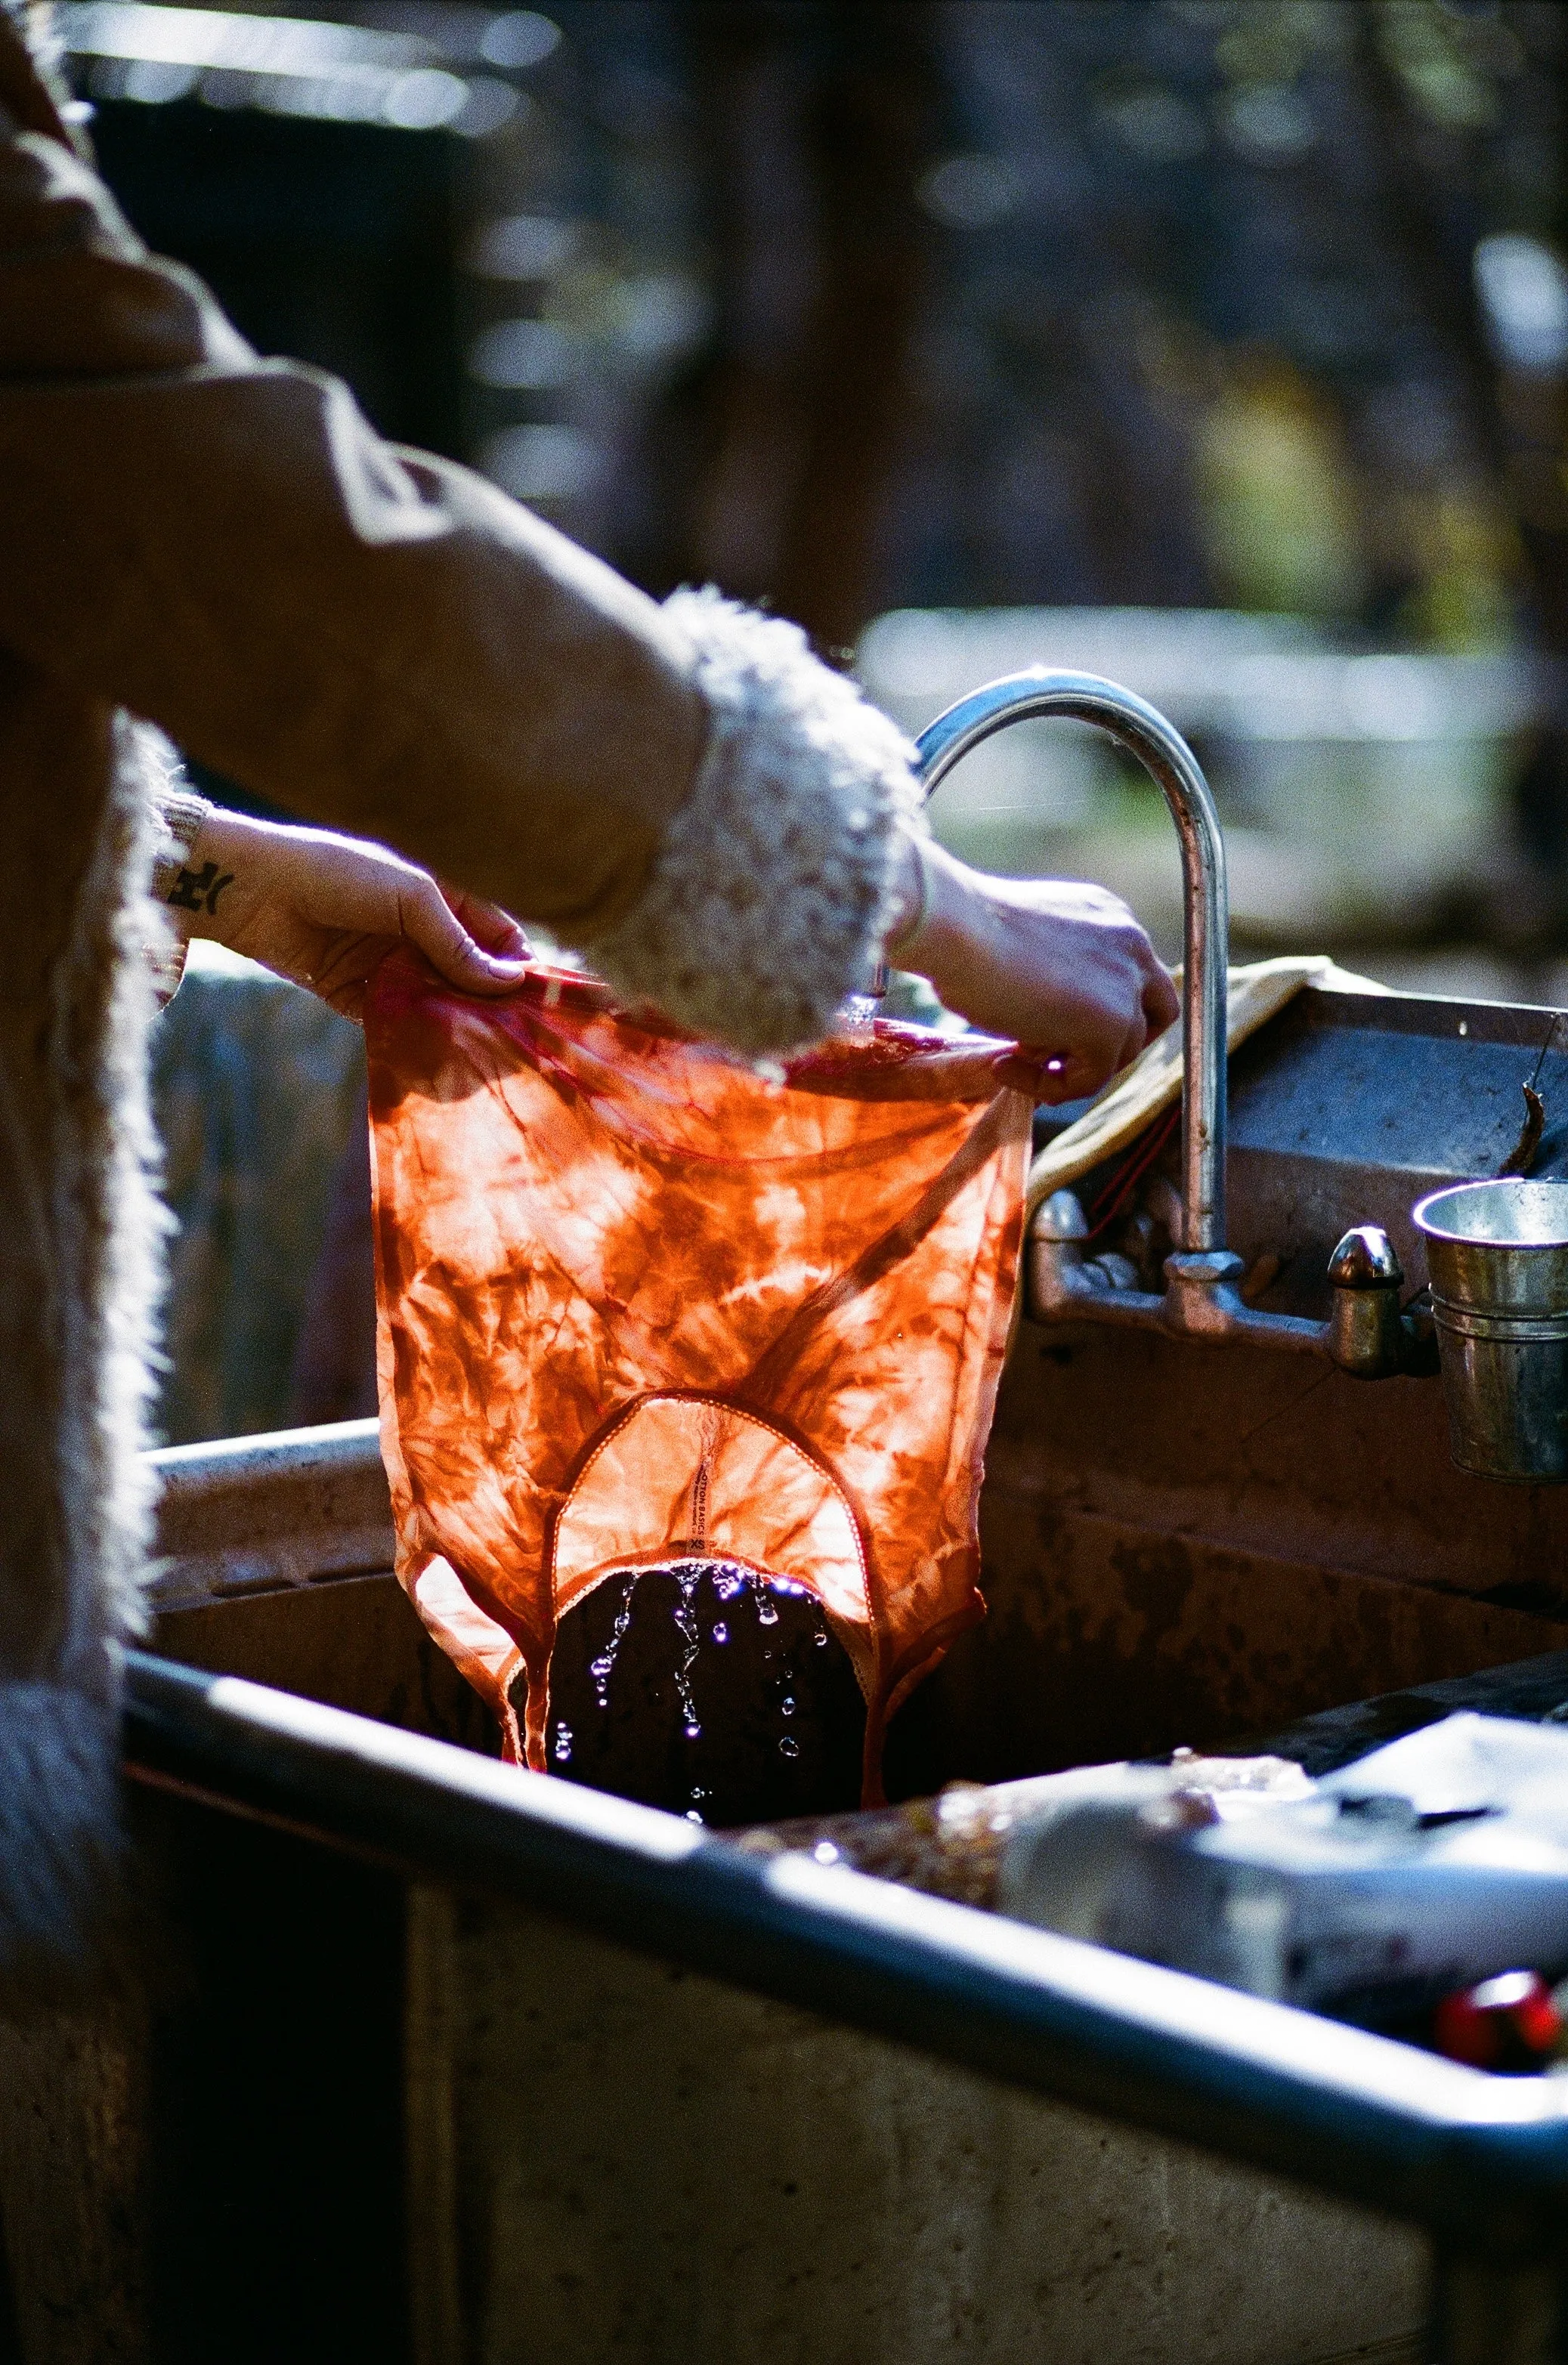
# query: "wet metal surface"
[1348,1108]
[251,1514]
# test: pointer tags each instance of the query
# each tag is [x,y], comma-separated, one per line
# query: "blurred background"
[1218,345]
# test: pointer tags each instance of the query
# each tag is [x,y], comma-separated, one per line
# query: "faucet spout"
[1138,727]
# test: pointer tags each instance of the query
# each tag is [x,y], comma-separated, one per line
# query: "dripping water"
[603,1667]
[763,1591]
[697,1623]
[686,1576]
[857,1018]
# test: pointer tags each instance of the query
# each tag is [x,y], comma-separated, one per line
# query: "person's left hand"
[1061,967]
[324,910]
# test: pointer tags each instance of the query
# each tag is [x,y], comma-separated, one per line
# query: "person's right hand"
[324,910]
[1062,969]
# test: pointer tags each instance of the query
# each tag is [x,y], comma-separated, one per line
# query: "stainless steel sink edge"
[1480,2162]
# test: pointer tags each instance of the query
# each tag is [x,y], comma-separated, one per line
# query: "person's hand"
[1061,968]
[324,910]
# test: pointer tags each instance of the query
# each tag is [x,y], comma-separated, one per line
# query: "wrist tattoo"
[198,891]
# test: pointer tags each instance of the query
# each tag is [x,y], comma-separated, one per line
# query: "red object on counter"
[638,1303]
[1509,2022]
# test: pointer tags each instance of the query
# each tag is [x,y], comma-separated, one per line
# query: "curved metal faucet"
[1366,1334]
[1138,727]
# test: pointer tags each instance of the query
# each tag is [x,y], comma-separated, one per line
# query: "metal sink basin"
[421,2058]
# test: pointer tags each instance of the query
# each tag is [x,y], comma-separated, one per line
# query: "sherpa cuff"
[770,898]
[180,815]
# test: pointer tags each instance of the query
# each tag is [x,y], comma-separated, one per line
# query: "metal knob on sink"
[1367,1334]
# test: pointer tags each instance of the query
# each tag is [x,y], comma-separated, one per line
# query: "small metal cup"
[1497,1256]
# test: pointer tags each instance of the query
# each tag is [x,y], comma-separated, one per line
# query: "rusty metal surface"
[275,1563]
[353,1643]
[1122,1636]
[643,2162]
[603,2155]
[1347,1108]
[1533,1689]
[1179,1545]
[1180,1542]
[952,1845]
[1260,1455]
[73,2186]
[251,1514]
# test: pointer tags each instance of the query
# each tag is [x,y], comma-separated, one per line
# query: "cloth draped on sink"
[638,1302]
[1131,1100]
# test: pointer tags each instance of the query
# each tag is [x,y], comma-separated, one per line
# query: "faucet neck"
[1144,732]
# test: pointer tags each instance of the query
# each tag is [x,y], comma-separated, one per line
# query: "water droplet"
[688,1574]
[692,1816]
[603,1667]
[788,1748]
[562,1748]
[787,1706]
[820,1636]
[766,1613]
[825,1852]
[720,1633]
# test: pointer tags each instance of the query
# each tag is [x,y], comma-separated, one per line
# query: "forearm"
[395,650]
[383,641]
[318,907]
[373,639]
